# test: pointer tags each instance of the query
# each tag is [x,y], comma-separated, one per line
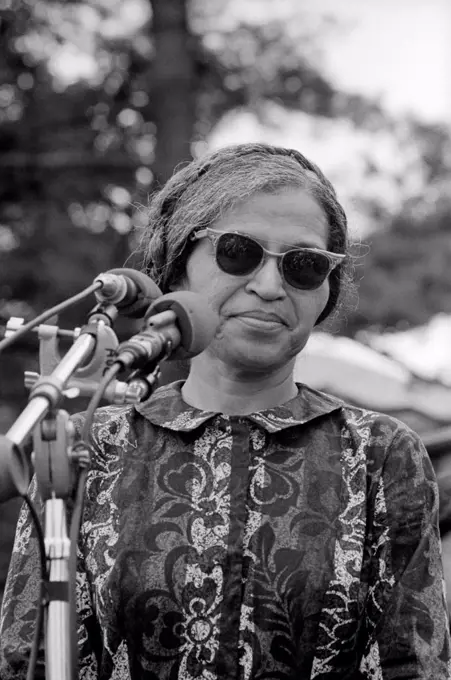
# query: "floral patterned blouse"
[297,542]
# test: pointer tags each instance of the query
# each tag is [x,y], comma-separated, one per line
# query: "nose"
[267,281]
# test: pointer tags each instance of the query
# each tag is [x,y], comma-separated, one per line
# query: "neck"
[213,386]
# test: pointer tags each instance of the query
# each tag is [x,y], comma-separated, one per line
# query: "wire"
[44,577]
[78,510]
[40,533]
[97,398]
[6,342]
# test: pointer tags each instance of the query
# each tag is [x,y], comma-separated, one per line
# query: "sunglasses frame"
[215,234]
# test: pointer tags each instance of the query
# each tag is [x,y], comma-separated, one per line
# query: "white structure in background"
[415,379]
[425,350]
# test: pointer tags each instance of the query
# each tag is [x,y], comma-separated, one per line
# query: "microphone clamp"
[131,291]
[154,343]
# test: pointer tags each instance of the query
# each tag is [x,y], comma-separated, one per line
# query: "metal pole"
[39,406]
[57,634]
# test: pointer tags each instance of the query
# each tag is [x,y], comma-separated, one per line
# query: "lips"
[269,317]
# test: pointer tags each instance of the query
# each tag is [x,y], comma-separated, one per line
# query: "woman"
[237,524]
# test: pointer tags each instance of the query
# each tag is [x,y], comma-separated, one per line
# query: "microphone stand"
[55,462]
[52,447]
[95,350]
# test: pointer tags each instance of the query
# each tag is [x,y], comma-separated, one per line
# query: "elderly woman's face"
[264,321]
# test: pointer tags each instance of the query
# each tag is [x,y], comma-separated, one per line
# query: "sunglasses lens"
[237,254]
[305,270]
[240,255]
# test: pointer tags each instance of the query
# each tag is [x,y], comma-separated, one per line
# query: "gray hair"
[197,195]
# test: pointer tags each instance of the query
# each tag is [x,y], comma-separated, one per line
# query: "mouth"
[263,321]
[268,317]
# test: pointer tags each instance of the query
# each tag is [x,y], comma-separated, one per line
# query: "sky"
[398,49]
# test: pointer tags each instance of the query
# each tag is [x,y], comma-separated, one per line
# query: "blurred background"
[101,99]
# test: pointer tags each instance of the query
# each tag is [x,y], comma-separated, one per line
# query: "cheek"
[199,270]
[205,278]
[310,306]
[308,310]
[323,297]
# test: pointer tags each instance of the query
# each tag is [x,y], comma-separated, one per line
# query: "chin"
[257,359]
[259,354]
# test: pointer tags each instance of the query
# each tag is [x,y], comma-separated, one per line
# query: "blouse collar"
[167,408]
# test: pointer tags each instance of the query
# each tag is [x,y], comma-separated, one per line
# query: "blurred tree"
[406,277]
[173,86]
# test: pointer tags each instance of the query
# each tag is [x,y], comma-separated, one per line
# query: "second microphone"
[178,326]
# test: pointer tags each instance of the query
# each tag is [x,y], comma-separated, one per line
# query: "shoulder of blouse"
[115,431]
[378,435]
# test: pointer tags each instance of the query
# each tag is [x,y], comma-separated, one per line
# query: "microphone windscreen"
[196,321]
[136,306]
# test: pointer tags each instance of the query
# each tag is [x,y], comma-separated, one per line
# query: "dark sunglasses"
[240,255]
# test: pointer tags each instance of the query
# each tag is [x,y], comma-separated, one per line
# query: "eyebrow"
[296,244]
[303,244]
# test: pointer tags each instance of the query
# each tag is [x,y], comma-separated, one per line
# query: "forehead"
[290,216]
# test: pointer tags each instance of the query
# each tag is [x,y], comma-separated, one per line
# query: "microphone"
[178,326]
[129,290]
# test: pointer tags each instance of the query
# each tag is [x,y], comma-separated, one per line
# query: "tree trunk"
[173,86]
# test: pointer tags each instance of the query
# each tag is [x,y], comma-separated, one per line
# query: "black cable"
[6,342]
[96,398]
[43,580]
[78,510]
